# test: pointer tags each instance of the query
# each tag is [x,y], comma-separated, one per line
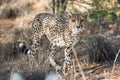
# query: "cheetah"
[62,31]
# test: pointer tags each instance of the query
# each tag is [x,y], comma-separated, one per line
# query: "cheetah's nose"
[78,26]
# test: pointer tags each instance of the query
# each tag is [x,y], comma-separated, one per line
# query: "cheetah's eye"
[73,20]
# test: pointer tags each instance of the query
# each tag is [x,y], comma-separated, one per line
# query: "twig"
[80,67]
[115,61]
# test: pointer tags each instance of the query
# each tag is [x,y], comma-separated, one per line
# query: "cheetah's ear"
[70,15]
[84,17]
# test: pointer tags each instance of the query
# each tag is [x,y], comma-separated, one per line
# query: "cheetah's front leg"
[67,65]
[33,53]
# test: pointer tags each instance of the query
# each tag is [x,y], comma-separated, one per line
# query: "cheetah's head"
[77,23]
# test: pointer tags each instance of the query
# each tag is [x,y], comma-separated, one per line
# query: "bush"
[9,12]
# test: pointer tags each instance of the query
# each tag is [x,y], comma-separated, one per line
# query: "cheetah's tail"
[23,48]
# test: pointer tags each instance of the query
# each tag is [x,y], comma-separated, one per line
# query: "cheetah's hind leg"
[33,52]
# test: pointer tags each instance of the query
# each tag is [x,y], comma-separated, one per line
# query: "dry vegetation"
[97,49]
